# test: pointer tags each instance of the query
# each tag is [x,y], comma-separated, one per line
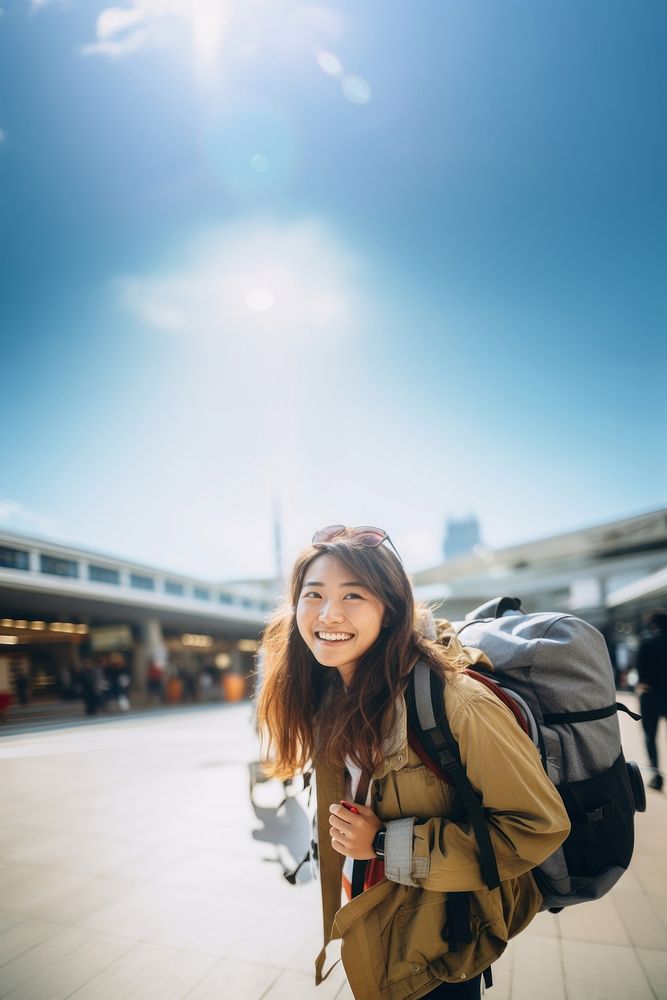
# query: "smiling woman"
[393,848]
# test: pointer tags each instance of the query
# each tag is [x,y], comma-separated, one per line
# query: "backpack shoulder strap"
[427,718]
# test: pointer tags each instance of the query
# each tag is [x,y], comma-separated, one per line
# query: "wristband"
[378,842]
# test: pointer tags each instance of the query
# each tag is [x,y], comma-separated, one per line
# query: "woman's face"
[338,618]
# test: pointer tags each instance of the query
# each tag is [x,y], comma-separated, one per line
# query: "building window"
[142,582]
[172,587]
[202,594]
[14,558]
[102,574]
[58,567]
[247,603]
[225,598]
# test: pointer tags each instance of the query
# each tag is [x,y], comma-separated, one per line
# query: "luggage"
[554,672]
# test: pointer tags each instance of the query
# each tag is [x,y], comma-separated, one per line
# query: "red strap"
[374,872]
[504,697]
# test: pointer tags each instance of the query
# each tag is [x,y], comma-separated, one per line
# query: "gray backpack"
[556,670]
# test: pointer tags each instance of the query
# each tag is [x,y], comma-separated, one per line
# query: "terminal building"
[62,607]
[609,574]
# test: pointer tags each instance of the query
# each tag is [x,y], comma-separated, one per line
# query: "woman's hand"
[351,834]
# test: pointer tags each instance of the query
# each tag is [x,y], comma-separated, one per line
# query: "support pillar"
[150,650]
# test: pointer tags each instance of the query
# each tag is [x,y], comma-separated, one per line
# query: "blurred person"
[65,680]
[91,684]
[22,677]
[119,680]
[652,685]
[155,682]
[205,684]
[5,686]
[125,682]
[397,856]
[188,675]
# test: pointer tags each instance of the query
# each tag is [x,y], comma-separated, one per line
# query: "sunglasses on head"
[365,535]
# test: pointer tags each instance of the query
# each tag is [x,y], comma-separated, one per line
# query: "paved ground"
[128,870]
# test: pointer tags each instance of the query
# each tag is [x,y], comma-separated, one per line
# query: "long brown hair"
[295,684]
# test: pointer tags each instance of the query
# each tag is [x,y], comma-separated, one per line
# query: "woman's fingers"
[363,810]
[337,810]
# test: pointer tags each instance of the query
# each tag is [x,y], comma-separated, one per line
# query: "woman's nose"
[330,612]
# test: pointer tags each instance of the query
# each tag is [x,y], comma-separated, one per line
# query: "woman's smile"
[333,637]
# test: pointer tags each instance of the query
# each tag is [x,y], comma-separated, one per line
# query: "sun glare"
[259,299]
[210,24]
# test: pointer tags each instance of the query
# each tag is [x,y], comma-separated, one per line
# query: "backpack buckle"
[595,815]
[447,760]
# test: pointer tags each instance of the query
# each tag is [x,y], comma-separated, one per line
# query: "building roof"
[653,586]
[628,536]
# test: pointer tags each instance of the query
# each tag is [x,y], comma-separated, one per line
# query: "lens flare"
[356,89]
[329,63]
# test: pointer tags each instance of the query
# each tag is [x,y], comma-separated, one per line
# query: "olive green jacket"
[395,935]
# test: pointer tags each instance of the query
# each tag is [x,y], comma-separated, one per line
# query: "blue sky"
[375,263]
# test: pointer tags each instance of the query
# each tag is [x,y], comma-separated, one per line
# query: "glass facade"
[202,594]
[142,582]
[172,587]
[14,558]
[58,567]
[102,574]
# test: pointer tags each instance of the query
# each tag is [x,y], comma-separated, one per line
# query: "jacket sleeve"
[526,816]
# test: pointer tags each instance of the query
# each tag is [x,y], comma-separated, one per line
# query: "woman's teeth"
[333,636]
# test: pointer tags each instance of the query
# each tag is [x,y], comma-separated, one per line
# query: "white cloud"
[305,279]
[211,26]
[114,20]
[145,24]
[14,515]
[134,42]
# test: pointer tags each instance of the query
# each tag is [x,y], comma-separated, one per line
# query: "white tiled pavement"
[128,870]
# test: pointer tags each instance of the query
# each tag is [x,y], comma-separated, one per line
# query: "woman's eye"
[311,593]
[353,595]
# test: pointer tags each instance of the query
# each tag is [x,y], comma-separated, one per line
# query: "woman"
[395,848]
[652,686]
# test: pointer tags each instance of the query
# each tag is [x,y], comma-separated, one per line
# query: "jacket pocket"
[411,933]
[419,792]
